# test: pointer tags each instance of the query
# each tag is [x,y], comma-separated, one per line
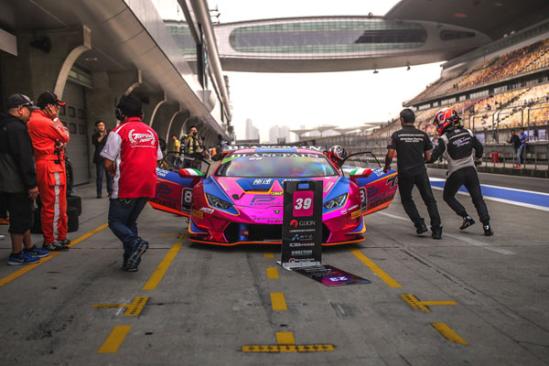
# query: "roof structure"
[494,18]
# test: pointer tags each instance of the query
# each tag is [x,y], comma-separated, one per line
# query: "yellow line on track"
[115,339]
[162,268]
[448,333]
[285,338]
[268,255]
[272,273]
[29,267]
[88,235]
[278,301]
[390,281]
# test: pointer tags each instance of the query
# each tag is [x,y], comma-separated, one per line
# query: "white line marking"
[469,241]
[502,200]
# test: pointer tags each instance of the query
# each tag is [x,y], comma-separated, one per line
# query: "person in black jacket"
[18,179]
[515,140]
[413,147]
[99,139]
[460,148]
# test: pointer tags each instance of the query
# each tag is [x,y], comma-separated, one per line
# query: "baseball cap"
[17,100]
[48,97]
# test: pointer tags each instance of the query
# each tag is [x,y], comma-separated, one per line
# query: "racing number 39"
[303,203]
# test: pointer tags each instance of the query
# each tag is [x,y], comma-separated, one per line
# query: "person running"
[131,153]
[460,148]
[18,179]
[413,148]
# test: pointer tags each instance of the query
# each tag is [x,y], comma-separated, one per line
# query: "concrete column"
[157,107]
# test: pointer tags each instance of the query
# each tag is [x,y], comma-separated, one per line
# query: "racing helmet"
[337,154]
[446,118]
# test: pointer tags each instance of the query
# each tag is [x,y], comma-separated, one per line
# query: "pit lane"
[206,304]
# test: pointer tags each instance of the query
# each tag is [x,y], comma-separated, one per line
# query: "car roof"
[276,149]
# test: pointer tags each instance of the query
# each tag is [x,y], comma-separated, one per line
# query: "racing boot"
[487,230]
[421,227]
[436,232]
[467,221]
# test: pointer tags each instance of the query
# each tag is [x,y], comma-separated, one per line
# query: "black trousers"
[19,207]
[421,180]
[467,177]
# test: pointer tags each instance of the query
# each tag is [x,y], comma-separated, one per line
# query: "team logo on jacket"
[141,138]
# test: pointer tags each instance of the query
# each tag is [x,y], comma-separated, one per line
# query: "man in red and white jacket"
[131,154]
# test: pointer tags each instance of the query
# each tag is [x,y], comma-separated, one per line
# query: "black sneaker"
[421,228]
[135,258]
[488,230]
[467,221]
[127,268]
[436,232]
[65,243]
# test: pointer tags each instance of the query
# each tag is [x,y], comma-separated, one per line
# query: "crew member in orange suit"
[49,138]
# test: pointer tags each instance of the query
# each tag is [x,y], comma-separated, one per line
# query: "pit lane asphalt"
[212,301]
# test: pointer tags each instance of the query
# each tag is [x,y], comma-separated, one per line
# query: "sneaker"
[21,258]
[135,258]
[37,252]
[488,230]
[467,221]
[436,232]
[421,227]
[54,247]
[65,243]
[126,267]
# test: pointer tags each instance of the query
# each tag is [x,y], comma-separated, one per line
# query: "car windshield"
[276,164]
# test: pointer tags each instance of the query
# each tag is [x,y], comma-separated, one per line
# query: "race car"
[241,200]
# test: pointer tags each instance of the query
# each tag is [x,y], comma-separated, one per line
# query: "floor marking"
[278,302]
[469,241]
[88,235]
[133,309]
[285,338]
[29,267]
[115,339]
[390,281]
[522,198]
[449,333]
[272,273]
[480,244]
[417,304]
[162,268]
[287,348]
[269,255]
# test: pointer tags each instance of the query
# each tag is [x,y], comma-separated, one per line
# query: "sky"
[345,99]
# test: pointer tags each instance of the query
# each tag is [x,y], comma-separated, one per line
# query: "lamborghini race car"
[241,200]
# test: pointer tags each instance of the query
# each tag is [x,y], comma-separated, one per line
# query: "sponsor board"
[302,224]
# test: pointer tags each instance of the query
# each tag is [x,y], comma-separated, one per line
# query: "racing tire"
[72,218]
[76,202]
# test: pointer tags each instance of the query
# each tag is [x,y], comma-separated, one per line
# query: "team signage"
[302,224]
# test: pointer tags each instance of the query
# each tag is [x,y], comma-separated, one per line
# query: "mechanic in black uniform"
[413,148]
[460,148]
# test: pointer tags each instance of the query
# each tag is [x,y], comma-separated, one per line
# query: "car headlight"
[336,202]
[217,202]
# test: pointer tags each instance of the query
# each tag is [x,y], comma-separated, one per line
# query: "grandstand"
[502,87]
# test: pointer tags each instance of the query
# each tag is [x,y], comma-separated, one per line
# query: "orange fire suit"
[47,138]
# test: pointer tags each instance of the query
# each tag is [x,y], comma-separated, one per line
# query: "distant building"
[279,134]
[252,133]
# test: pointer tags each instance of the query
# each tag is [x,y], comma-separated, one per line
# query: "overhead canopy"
[493,18]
